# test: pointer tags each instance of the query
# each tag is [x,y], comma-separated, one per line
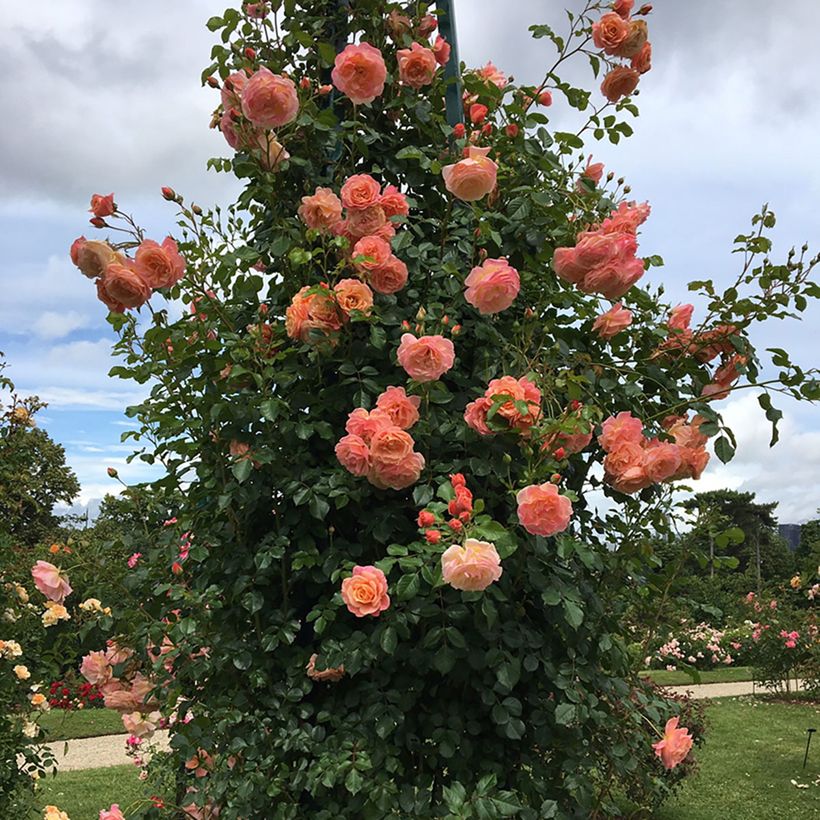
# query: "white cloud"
[54,325]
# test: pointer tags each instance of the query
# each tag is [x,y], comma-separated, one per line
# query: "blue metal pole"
[452,71]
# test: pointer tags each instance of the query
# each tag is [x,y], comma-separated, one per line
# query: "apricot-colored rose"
[631,481]
[635,40]
[267,150]
[519,390]
[625,456]
[231,92]
[441,50]
[366,424]
[673,748]
[140,725]
[402,409]
[51,581]
[390,277]
[493,286]
[93,257]
[160,265]
[352,294]
[366,221]
[359,73]
[642,61]
[390,447]
[619,82]
[471,178]
[567,267]
[269,100]
[375,250]
[611,323]
[394,202]
[417,65]
[397,476]
[626,218]
[322,210]
[597,249]
[472,567]
[623,7]
[360,191]
[610,32]
[312,313]
[95,668]
[491,74]
[123,286]
[227,125]
[618,429]
[75,249]
[680,317]
[102,206]
[661,460]
[427,358]
[594,171]
[365,592]
[613,279]
[542,511]
[475,414]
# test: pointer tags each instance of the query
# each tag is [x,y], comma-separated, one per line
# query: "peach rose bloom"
[441,50]
[493,286]
[542,511]
[267,150]
[642,61]
[51,581]
[123,286]
[365,592]
[475,414]
[472,567]
[397,476]
[322,210]
[427,358]
[114,813]
[311,313]
[366,424]
[631,481]
[417,65]
[122,700]
[54,813]
[139,725]
[366,221]
[95,668]
[491,74]
[624,457]
[594,171]
[160,265]
[614,279]
[75,249]
[623,7]
[675,745]
[375,250]
[618,429]
[102,205]
[626,218]
[519,390]
[359,73]
[352,294]
[227,126]
[394,202]
[598,249]
[610,32]
[390,277]
[93,257]
[231,92]
[612,322]
[402,409]
[635,40]
[269,100]
[661,460]
[354,455]
[471,178]
[567,267]
[680,317]
[360,191]
[391,446]
[619,82]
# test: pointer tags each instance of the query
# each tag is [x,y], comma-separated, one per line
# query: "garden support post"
[452,71]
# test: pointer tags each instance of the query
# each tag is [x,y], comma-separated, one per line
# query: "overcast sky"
[103,96]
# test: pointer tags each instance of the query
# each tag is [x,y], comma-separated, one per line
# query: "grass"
[60,724]
[753,750]
[727,674]
[82,794]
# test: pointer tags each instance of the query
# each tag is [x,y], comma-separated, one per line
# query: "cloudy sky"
[106,97]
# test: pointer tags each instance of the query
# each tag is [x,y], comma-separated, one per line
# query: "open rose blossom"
[427,358]
[610,32]
[333,674]
[95,668]
[472,567]
[365,592]
[375,250]
[353,453]
[680,317]
[313,314]
[542,511]
[618,429]
[322,210]
[360,191]
[231,92]
[417,65]
[441,50]
[102,205]
[402,409]
[93,257]
[359,73]
[366,424]
[620,82]
[123,286]
[114,813]
[611,323]
[160,265]
[352,294]
[492,74]
[51,581]
[471,178]
[390,277]
[675,745]
[493,286]
[394,202]
[269,100]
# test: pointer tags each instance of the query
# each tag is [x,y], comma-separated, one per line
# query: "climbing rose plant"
[414,350]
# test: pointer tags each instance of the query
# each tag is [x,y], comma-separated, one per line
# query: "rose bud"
[575,405]
[427,25]
[405,325]
[169,193]
[112,473]
[455,330]
[555,478]
[325,89]
[478,113]
[445,320]
[455,525]
[426,519]
[545,98]
[486,129]
[511,130]
[213,82]
[250,53]
[529,313]
[176,568]
[560,453]
[432,536]
[459,130]
[97,222]
[304,83]
[646,8]
[196,209]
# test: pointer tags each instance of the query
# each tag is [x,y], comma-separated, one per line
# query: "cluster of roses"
[634,462]
[62,696]
[620,35]
[603,260]
[460,508]
[377,445]
[507,404]
[123,282]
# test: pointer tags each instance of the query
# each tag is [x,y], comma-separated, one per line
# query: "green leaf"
[318,507]
[353,781]
[565,714]
[242,469]
[389,640]
[573,613]
[407,587]
[724,449]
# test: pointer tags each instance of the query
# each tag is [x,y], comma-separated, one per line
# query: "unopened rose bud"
[405,325]
[545,98]
[426,519]
[555,478]
[213,82]
[176,568]
[575,405]
[196,209]
[432,536]
[445,320]
[507,458]
[456,329]
[646,8]
[421,315]
[610,176]
[621,180]
[168,193]
[560,454]
[427,25]
[482,254]
[325,89]
[112,473]
[478,113]
[304,83]
[459,130]
[627,189]
[418,328]
[455,525]
[486,129]
[529,313]
[97,222]
[511,130]
[263,310]
[250,53]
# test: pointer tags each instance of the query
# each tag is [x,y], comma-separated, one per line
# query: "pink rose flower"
[312,315]
[352,294]
[519,390]
[471,178]
[626,456]
[376,251]
[365,221]
[231,92]
[95,668]
[269,100]
[612,322]
[75,249]
[492,287]
[399,475]
[394,202]
[626,218]
[475,414]
[365,592]
[642,61]
[417,65]
[619,82]
[267,150]
[321,211]
[160,265]
[675,745]
[123,286]
[360,191]
[366,424]
[390,447]
[402,409]
[114,813]
[680,317]
[140,725]
[623,7]
[661,460]
[542,511]
[621,428]
[51,581]
[227,125]
[390,277]
[567,267]
[441,50]
[472,567]
[492,74]
[359,73]
[354,455]
[594,171]
[102,206]
[427,358]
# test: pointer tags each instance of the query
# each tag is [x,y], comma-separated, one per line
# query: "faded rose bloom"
[475,414]
[95,668]
[123,286]
[161,266]
[322,210]
[623,7]
[312,313]
[417,65]
[352,294]
[365,591]
[492,74]
[231,92]
[611,323]
[359,73]
[680,317]
[51,581]
[471,178]
[390,277]
[542,511]
[402,409]
[493,286]
[102,206]
[594,171]
[642,61]
[626,218]
[427,358]
[269,100]
[93,257]
[113,813]
[673,748]
[635,40]
[619,82]
[227,125]
[333,674]
[472,567]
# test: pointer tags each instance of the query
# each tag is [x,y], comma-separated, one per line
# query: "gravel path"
[96,752]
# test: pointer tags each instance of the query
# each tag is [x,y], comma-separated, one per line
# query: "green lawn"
[753,750]
[81,795]
[60,724]
[726,675]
